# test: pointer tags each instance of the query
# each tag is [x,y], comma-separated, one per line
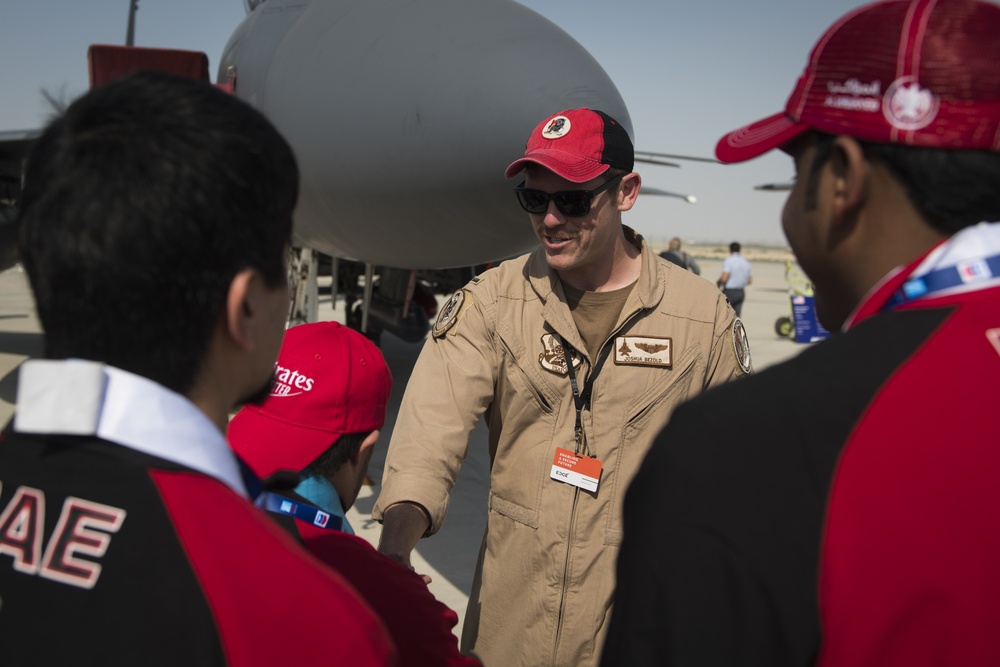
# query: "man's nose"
[553,217]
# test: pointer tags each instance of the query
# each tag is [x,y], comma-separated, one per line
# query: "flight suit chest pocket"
[520,383]
[665,390]
[645,415]
[523,421]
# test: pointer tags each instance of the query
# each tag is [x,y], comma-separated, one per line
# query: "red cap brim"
[267,445]
[566,165]
[758,138]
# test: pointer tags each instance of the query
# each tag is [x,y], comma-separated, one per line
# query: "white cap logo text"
[288,382]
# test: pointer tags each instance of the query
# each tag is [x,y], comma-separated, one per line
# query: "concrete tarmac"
[449,556]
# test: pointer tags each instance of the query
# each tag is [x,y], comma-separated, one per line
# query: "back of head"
[329,381]
[141,203]
[917,82]
[734,247]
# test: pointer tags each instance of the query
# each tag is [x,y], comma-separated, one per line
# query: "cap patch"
[553,358]
[908,106]
[557,127]
[643,351]
[741,347]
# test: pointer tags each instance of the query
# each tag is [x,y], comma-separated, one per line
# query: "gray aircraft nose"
[404,115]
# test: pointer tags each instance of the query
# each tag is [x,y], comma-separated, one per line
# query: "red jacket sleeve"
[421,626]
[272,602]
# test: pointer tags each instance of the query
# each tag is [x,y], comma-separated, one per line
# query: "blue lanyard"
[963,273]
[272,502]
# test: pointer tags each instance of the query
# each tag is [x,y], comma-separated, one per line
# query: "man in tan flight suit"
[576,354]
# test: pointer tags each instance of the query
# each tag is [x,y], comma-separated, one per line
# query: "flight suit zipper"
[576,498]
[565,579]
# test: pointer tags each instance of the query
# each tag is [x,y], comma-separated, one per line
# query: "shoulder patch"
[741,347]
[448,316]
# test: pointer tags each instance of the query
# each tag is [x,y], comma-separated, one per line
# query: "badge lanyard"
[963,273]
[272,502]
[582,400]
[579,468]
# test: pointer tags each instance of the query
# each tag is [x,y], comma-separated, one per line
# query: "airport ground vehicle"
[801,324]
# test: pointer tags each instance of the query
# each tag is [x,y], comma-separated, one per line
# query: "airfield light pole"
[649,190]
[691,199]
[133,6]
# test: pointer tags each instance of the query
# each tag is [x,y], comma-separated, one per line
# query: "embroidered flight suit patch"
[741,346]
[643,351]
[553,359]
[450,314]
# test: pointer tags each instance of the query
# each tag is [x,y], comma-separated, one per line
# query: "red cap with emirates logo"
[917,72]
[329,380]
[578,145]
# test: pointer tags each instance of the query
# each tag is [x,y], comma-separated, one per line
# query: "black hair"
[950,188]
[140,205]
[337,454]
[734,247]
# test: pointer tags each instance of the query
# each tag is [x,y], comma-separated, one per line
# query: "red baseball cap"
[578,145]
[329,380]
[917,72]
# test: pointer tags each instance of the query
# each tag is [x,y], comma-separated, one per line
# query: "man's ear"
[851,171]
[242,305]
[367,447]
[629,191]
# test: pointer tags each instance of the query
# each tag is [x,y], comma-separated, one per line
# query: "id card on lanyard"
[581,471]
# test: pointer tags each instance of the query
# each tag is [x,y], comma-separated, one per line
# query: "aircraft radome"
[404,115]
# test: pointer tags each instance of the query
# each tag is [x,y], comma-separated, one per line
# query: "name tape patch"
[643,351]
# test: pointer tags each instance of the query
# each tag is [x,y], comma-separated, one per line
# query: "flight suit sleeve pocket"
[613,538]
[513,511]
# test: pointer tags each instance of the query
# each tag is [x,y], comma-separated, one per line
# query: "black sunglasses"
[571,203]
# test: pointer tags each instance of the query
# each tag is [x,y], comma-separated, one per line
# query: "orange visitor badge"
[581,471]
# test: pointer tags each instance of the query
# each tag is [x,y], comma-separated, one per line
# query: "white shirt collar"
[968,244]
[971,243]
[77,397]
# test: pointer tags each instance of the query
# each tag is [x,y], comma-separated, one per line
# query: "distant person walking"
[674,254]
[735,277]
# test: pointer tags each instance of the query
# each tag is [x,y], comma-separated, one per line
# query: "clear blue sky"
[689,72]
